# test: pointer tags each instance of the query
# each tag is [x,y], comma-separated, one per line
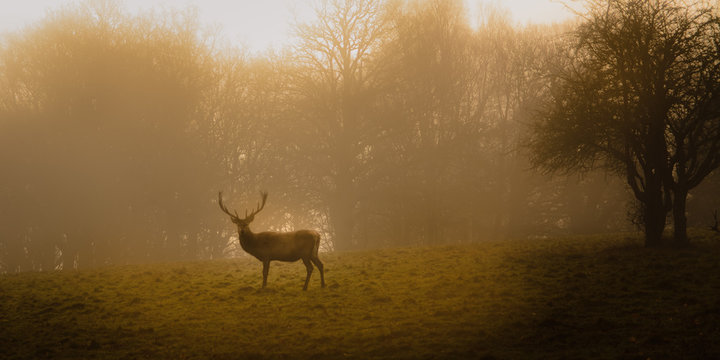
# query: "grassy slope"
[597,297]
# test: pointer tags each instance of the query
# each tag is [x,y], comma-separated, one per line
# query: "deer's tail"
[316,245]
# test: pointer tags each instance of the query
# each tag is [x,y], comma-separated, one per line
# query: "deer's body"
[290,246]
[281,246]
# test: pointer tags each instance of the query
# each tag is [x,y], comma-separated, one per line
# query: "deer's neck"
[247,239]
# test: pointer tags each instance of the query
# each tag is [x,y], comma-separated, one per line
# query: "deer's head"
[243,223]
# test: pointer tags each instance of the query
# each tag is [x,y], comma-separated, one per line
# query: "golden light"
[526,11]
[262,24]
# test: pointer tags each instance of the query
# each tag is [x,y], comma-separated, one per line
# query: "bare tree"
[636,96]
[335,82]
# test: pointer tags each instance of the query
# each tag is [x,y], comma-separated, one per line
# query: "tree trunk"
[342,213]
[654,213]
[679,219]
[655,169]
[343,224]
[654,219]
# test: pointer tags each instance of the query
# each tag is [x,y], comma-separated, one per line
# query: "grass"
[591,297]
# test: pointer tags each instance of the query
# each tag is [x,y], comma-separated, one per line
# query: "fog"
[387,124]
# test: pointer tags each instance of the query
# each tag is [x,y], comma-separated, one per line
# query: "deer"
[281,246]
[714,227]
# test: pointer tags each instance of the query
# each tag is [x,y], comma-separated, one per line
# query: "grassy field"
[593,297]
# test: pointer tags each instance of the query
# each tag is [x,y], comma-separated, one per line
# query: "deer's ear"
[250,219]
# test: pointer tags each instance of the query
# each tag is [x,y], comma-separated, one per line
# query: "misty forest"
[528,191]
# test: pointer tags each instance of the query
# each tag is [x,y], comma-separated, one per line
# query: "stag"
[282,246]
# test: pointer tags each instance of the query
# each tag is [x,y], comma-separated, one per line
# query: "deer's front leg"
[266,268]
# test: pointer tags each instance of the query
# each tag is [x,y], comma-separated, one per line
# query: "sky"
[261,24]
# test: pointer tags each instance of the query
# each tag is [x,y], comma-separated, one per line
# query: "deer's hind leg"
[316,260]
[309,267]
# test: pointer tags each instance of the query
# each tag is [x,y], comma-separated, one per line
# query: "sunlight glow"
[523,12]
[262,24]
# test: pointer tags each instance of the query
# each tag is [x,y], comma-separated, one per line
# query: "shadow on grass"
[625,301]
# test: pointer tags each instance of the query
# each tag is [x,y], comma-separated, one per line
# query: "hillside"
[594,297]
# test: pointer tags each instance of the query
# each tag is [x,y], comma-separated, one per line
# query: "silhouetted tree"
[635,93]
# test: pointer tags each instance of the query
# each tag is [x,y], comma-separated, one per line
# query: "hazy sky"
[259,24]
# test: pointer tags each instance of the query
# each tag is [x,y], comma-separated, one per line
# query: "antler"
[224,209]
[260,206]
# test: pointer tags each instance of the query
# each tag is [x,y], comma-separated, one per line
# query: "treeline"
[388,123]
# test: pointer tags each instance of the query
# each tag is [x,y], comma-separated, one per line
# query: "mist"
[386,124]
[405,179]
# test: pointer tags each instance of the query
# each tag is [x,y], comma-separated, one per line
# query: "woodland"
[386,123]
